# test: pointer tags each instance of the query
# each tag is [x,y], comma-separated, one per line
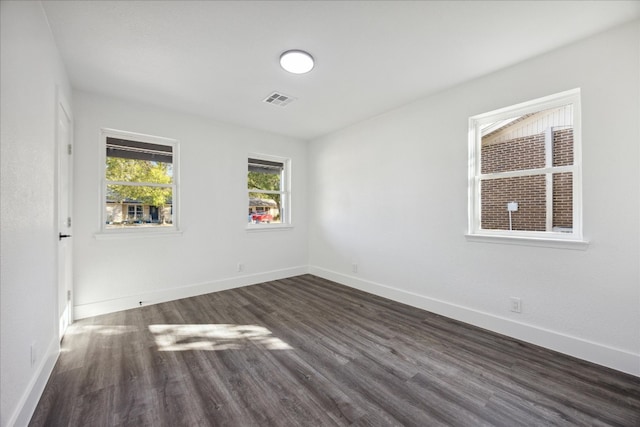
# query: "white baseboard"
[29,400]
[598,353]
[164,295]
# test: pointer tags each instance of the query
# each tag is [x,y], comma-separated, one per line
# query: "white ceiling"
[220,58]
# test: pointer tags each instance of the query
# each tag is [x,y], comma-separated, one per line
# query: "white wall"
[115,274]
[30,71]
[390,194]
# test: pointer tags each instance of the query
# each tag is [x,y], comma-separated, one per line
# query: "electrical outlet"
[516,305]
[240,267]
[354,267]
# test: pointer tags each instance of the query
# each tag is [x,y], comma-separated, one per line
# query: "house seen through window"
[524,177]
[140,184]
[268,190]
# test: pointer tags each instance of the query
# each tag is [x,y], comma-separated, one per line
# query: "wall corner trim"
[614,358]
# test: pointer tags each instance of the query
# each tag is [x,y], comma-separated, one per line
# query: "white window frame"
[174,228]
[572,240]
[285,192]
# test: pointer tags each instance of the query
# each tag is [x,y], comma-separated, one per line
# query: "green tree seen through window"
[264,181]
[139,171]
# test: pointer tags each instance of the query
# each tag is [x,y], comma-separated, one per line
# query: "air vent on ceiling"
[277,98]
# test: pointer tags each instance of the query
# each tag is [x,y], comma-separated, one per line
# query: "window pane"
[520,143]
[133,161]
[563,202]
[265,208]
[264,175]
[128,149]
[138,206]
[129,170]
[529,192]
[563,147]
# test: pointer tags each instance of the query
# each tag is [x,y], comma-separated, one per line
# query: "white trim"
[547,242]
[140,233]
[174,185]
[601,354]
[141,184]
[62,103]
[163,295]
[29,400]
[268,227]
[526,172]
[548,163]
[141,137]
[475,176]
[544,103]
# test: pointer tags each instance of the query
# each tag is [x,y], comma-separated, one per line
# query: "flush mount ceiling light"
[296,61]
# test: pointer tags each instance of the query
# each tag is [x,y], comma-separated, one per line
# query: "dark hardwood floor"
[309,352]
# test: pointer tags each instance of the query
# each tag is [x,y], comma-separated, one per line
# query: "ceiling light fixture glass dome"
[296,61]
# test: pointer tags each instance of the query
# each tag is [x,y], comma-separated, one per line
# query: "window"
[134,212]
[524,177]
[140,182]
[268,191]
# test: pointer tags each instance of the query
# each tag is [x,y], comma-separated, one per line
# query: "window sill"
[529,241]
[136,234]
[268,227]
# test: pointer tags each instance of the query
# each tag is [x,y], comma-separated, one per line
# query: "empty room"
[318,213]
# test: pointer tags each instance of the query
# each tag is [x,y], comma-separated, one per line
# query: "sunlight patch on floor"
[214,337]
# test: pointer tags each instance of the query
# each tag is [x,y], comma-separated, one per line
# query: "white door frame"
[64,187]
